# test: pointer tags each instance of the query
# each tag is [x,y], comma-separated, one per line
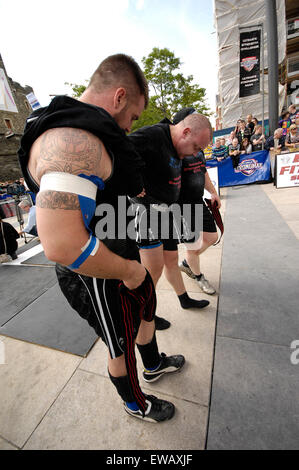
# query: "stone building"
[14,109]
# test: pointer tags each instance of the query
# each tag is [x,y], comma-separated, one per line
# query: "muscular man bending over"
[77,155]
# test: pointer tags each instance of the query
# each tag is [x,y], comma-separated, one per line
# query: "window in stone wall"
[27,105]
[8,124]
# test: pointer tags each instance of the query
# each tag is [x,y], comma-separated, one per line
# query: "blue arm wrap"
[85,254]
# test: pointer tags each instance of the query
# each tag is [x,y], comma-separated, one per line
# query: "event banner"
[287,170]
[7,102]
[33,101]
[250,44]
[252,168]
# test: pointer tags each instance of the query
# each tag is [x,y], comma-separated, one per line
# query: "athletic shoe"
[157,410]
[205,285]
[167,364]
[184,267]
[161,323]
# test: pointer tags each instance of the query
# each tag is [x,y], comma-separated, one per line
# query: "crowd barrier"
[251,169]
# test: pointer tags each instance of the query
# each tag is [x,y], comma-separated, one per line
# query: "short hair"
[120,70]
[284,114]
[197,122]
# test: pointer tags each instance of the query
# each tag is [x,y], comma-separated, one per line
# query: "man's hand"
[136,275]
[215,197]
[142,194]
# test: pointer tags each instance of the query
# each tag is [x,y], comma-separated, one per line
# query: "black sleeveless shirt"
[126,177]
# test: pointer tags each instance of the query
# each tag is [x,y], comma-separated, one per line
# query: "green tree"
[171,90]
[77,90]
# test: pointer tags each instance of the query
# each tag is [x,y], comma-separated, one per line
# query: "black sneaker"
[161,323]
[168,364]
[157,410]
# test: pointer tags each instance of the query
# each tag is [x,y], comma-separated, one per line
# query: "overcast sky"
[44,44]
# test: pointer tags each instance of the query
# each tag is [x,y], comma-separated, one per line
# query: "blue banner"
[253,167]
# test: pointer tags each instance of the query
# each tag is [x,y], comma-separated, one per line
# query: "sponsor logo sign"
[248,166]
[250,42]
[287,170]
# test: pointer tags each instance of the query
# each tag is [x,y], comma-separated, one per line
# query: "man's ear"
[120,99]
[186,132]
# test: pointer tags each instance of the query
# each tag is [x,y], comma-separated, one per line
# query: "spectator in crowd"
[246,146]
[31,224]
[276,141]
[293,113]
[8,239]
[243,131]
[256,123]
[234,152]
[237,127]
[219,151]
[292,139]
[257,139]
[285,122]
[250,124]
[231,137]
[223,142]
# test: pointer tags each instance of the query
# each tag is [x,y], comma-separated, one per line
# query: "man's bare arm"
[59,218]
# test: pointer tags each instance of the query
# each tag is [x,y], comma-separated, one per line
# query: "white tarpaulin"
[7,103]
[230,15]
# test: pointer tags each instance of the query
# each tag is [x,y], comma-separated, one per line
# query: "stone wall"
[9,167]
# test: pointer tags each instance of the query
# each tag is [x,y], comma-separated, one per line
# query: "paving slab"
[192,334]
[88,415]
[30,381]
[51,322]
[290,212]
[255,398]
[4,445]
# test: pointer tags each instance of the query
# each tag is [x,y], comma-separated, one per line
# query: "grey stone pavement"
[239,387]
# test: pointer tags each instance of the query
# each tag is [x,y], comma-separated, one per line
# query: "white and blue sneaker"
[167,364]
[157,410]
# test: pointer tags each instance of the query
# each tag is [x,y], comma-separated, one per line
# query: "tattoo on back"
[55,200]
[69,150]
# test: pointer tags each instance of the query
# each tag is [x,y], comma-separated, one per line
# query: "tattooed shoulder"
[68,150]
[57,200]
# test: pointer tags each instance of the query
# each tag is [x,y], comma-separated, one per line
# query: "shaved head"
[197,123]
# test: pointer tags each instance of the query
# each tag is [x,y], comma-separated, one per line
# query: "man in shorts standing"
[76,155]
[163,147]
[195,179]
